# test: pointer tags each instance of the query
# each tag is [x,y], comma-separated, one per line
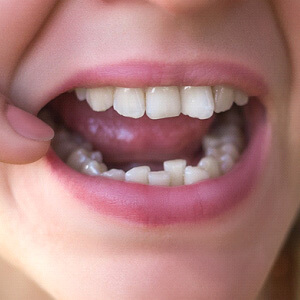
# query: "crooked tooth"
[194,174]
[130,102]
[78,158]
[115,174]
[224,97]
[241,98]
[159,178]
[81,93]
[100,99]
[138,174]
[176,169]
[211,166]
[93,168]
[163,102]
[197,102]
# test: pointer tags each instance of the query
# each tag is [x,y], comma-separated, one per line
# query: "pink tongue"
[123,140]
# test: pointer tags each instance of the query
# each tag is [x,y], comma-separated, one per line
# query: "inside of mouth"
[169,151]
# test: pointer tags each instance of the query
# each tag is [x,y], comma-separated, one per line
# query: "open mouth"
[159,154]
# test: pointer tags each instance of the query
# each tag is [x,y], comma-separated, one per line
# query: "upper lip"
[141,74]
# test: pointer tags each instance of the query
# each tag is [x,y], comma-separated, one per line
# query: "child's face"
[92,238]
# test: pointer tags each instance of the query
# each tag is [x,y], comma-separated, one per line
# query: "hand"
[23,137]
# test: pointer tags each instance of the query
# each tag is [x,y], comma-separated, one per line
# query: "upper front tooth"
[130,102]
[163,102]
[197,102]
[80,93]
[224,97]
[240,98]
[100,99]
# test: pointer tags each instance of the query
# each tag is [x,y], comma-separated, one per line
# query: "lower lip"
[155,205]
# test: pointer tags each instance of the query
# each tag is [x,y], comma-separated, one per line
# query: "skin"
[74,253]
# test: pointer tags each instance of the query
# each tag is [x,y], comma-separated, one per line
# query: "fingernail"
[28,125]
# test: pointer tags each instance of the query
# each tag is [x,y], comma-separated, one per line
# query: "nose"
[188,6]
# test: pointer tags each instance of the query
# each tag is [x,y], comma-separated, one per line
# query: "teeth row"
[222,148]
[163,102]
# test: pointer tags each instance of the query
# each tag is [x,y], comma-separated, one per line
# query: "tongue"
[123,140]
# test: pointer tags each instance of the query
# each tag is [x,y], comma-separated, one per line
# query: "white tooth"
[176,170]
[211,166]
[214,152]
[237,141]
[194,174]
[100,99]
[138,174]
[241,98]
[159,178]
[93,168]
[163,102]
[80,93]
[226,163]
[115,174]
[78,158]
[97,156]
[230,149]
[210,141]
[224,97]
[197,102]
[130,102]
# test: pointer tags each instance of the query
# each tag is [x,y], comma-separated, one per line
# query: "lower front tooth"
[194,174]
[176,169]
[93,168]
[115,174]
[130,102]
[138,174]
[224,97]
[159,178]
[163,102]
[211,166]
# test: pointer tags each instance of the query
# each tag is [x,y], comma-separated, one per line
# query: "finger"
[23,137]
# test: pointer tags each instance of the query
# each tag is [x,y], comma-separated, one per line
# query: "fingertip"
[28,125]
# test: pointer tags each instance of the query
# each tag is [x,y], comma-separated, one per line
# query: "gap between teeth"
[222,148]
[163,102]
